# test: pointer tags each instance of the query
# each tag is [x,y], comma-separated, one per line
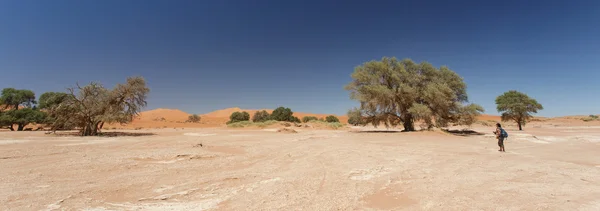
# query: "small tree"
[517,106]
[239,117]
[283,114]
[309,118]
[193,118]
[331,118]
[355,117]
[261,116]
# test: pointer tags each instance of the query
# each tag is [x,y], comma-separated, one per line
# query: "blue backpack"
[503,133]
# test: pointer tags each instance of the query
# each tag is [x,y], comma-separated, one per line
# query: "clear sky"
[200,56]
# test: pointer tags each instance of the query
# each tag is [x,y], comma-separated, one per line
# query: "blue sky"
[200,56]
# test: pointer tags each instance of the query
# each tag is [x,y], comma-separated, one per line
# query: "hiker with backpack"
[500,135]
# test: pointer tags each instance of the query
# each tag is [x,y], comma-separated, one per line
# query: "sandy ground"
[546,167]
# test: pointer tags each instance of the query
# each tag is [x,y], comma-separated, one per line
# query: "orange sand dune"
[487,117]
[170,118]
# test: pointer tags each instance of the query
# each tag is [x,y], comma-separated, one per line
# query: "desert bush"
[194,118]
[332,125]
[331,119]
[355,117]
[265,123]
[239,124]
[590,118]
[239,117]
[335,125]
[261,116]
[295,119]
[242,124]
[160,119]
[308,118]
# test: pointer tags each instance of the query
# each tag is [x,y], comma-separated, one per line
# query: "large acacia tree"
[396,92]
[517,106]
[89,107]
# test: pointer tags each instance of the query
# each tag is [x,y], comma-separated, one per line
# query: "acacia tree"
[194,118]
[89,107]
[517,106]
[396,92]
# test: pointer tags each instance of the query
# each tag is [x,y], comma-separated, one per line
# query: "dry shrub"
[287,130]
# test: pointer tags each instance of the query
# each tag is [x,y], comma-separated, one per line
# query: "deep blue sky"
[199,56]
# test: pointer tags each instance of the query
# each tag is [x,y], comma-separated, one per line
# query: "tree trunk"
[21,126]
[11,127]
[409,124]
[520,128]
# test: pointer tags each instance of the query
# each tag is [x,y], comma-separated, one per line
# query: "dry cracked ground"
[544,168]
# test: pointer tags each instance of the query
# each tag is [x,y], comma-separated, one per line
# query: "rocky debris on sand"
[287,130]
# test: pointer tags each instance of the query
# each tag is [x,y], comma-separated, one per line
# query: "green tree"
[331,118]
[283,114]
[194,118]
[355,117]
[239,117]
[13,98]
[517,106]
[261,116]
[22,117]
[89,107]
[309,118]
[396,92]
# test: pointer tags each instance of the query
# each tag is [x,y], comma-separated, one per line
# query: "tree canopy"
[517,106]
[283,114]
[394,92]
[12,98]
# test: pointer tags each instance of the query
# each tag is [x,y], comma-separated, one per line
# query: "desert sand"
[552,165]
